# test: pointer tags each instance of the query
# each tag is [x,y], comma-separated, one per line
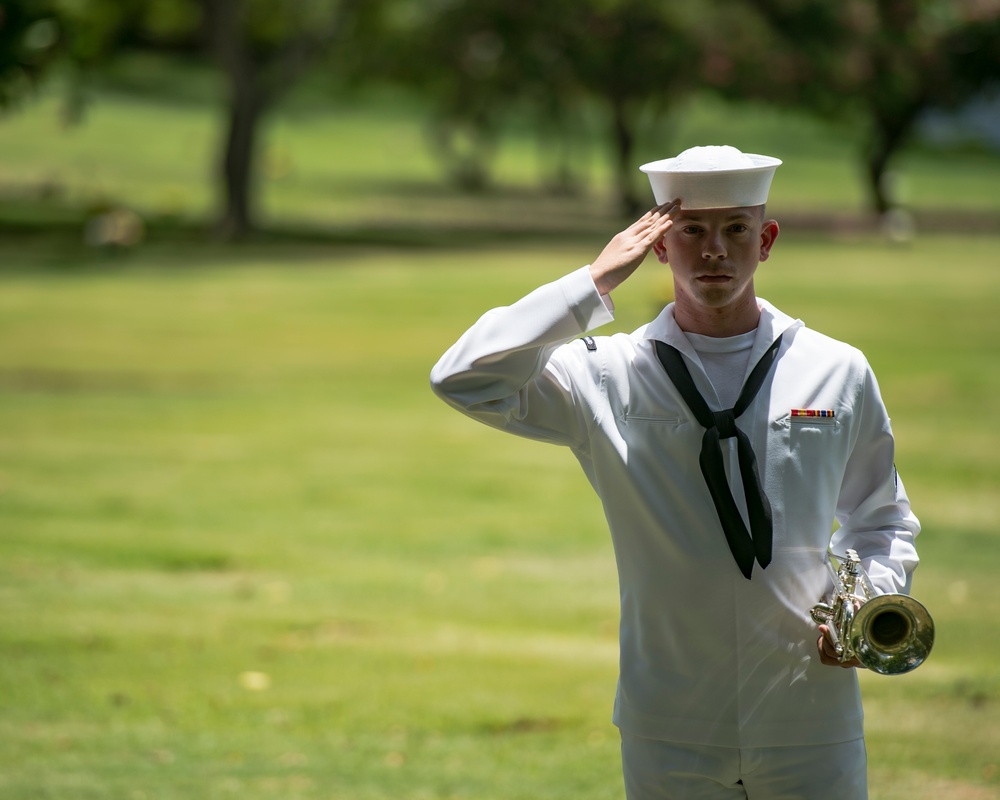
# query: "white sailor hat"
[716,176]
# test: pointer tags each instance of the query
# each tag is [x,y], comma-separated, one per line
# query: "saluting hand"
[627,250]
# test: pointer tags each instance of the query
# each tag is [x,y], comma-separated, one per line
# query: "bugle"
[888,633]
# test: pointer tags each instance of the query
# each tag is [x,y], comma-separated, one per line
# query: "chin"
[716,298]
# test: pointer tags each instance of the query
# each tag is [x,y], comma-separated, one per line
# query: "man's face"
[714,253]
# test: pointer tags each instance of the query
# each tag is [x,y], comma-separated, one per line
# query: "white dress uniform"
[707,656]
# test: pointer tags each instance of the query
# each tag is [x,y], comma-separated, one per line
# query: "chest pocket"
[803,428]
[652,435]
[817,447]
[814,422]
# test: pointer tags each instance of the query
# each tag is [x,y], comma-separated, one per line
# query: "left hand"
[827,652]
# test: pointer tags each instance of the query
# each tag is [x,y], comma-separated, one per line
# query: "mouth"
[714,278]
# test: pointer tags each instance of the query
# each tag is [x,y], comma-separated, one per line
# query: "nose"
[714,247]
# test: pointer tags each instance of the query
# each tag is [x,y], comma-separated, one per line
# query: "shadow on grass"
[42,233]
[409,219]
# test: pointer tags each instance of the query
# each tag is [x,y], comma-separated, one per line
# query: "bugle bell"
[889,633]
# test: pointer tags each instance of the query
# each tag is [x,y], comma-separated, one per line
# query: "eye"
[739,227]
[691,230]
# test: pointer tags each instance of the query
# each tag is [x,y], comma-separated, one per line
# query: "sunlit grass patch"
[245,552]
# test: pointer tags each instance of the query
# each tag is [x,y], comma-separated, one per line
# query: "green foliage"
[29,41]
[325,168]
[884,63]
[480,66]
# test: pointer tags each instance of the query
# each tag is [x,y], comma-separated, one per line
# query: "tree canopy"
[879,64]
[30,38]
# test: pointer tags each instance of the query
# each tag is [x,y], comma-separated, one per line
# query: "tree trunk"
[238,160]
[892,127]
[255,82]
[624,139]
[226,24]
[878,159]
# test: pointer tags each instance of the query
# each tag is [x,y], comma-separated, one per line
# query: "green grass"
[218,462]
[208,470]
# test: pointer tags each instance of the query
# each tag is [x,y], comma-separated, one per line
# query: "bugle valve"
[888,633]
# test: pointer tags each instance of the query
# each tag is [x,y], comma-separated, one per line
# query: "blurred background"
[243,551]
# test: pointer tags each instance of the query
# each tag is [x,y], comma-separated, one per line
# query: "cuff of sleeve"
[591,308]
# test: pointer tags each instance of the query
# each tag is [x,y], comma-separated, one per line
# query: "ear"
[768,235]
[660,250]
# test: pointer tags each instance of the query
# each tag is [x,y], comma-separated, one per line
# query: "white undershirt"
[725,360]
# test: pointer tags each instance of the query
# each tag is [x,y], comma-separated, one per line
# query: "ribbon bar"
[813,412]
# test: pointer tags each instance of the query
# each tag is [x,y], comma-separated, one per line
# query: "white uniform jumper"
[707,656]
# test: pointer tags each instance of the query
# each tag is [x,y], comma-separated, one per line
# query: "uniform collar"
[773,323]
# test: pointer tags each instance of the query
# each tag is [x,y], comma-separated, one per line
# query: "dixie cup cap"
[715,176]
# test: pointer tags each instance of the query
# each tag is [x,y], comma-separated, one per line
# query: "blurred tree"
[482,62]
[922,55]
[477,64]
[633,56]
[882,63]
[263,49]
[30,40]
[96,32]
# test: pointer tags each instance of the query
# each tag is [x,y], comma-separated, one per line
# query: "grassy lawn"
[210,472]
[245,553]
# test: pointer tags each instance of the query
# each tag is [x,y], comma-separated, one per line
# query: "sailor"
[724,438]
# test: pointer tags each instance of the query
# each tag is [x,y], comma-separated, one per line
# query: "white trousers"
[656,770]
